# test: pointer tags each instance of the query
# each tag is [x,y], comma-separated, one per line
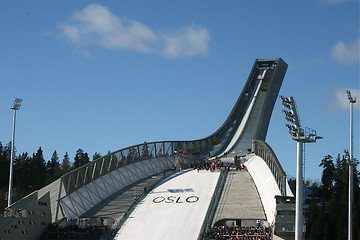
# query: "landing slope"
[240,199]
[175,209]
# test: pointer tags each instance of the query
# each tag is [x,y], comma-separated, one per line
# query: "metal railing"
[263,150]
[91,171]
[78,178]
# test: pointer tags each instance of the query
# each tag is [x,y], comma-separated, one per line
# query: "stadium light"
[301,136]
[351,164]
[16,106]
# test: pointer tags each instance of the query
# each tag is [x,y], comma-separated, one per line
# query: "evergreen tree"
[96,156]
[328,176]
[4,174]
[133,154]
[53,168]
[81,158]
[318,228]
[23,179]
[65,164]
[4,165]
[339,201]
[145,153]
[328,210]
[38,169]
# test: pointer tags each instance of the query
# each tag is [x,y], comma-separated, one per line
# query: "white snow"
[174,210]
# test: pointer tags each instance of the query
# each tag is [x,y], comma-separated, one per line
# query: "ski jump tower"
[242,135]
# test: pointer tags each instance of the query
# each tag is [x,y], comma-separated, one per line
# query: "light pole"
[351,164]
[15,107]
[301,136]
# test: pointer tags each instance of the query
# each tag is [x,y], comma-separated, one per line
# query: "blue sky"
[104,75]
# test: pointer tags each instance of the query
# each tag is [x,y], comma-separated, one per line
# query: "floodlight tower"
[351,165]
[301,136]
[16,106]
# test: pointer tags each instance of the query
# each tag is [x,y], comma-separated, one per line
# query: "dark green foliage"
[4,174]
[145,152]
[65,164]
[328,176]
[81,158]
[133,154]
[33,172]
[53,168]
[22,175]
[4,165]
[38,169]
[327,214]
[96,156]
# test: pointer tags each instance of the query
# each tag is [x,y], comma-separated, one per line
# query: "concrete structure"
[26,219]
[88,190]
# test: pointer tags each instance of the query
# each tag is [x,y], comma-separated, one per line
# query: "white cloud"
[96,25]
[346,53]
[186,42]
[341,101]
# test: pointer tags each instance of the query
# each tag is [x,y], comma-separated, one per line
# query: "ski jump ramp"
[181,202]
[175,209]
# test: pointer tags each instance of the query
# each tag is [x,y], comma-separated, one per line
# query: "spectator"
[237,232]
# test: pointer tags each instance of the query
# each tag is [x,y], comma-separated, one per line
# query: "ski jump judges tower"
[240,138]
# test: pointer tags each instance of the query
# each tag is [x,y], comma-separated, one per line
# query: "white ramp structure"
[175,209]
[181,207]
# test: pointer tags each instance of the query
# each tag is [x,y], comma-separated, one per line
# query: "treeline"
[32,172]
[327,206]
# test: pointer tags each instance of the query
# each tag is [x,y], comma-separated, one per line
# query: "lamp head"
[17,104]
[351,99]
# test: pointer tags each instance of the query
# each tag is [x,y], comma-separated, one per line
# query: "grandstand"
[229,185]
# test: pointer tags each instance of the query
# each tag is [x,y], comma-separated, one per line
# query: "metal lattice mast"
[301,136]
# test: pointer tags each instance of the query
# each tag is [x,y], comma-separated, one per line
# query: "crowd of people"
[77,229]
[219,165]
[238,233]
